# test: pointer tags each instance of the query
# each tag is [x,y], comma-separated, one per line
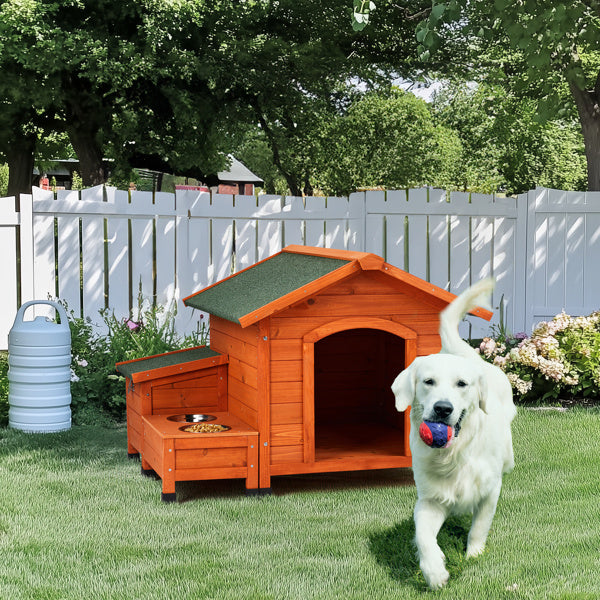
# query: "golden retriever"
[458,389]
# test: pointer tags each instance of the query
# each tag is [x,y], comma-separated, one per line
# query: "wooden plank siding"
[138,404]
[368,294]
[199,393]
[241,345]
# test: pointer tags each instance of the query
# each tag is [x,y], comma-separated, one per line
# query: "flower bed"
[560,361]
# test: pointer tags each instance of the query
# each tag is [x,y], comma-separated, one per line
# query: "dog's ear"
[482,392]
[404,388]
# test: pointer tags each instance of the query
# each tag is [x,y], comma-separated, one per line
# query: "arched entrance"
[350,417]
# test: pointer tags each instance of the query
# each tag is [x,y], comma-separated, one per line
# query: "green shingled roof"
[165,360]
[261,284]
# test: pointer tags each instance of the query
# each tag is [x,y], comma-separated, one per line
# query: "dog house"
[304,347]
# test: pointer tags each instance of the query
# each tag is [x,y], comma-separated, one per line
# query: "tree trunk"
[84,115]
[588,107]
[290,178]
[308,188]
[89,153]
[20,159]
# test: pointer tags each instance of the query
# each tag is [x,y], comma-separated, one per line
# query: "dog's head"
[442,388]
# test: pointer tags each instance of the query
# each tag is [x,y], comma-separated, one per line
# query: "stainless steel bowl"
[191,418]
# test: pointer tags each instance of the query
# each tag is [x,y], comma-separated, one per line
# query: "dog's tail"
[477,295]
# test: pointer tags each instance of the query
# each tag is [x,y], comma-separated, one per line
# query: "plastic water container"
[39,372]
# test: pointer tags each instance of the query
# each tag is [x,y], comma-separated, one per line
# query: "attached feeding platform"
[304,347]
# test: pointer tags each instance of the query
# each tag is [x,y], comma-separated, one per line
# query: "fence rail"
[105,248]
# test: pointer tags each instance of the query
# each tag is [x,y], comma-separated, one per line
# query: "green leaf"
[437,11]
[358,26]
[430,39]
[425,56]
[421,33]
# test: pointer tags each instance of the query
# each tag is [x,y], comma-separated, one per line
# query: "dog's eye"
[429,381]
[461,383]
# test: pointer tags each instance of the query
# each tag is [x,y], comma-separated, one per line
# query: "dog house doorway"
[356,424]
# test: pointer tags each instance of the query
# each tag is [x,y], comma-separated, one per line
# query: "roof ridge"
[327,252]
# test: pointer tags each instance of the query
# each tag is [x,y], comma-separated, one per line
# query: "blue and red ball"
[436,435]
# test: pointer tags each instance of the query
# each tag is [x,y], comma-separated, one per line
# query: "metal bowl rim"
[190,418]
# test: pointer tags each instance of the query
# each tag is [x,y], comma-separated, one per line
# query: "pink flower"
[132,325]
[487,347]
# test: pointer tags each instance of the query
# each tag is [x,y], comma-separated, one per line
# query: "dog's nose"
[443,408]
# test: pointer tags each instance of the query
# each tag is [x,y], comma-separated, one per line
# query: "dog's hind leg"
[429,518]
[482,521]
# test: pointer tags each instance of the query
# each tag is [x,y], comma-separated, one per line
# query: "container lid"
[40,331]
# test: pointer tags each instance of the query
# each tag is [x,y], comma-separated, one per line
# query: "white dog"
[474,398]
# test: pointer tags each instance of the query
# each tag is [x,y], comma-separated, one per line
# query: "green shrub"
[97,389]
[560,360]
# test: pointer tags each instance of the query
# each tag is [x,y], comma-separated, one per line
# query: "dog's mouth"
[459,423]
[438,434]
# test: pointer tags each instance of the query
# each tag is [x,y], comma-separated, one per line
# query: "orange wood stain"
[304,381]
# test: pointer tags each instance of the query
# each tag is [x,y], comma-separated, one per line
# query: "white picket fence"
[105,248]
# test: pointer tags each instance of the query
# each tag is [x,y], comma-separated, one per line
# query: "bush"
[561,359]
[96,387]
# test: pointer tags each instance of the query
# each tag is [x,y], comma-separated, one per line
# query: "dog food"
[205,428]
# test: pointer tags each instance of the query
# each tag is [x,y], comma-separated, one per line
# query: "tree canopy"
[504,146]
[177,85]
[167,84]
[469,138]
[115,76]
[542,49]
[387,139]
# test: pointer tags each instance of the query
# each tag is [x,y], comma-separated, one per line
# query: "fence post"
[358,214]
[26,248]
[522,268]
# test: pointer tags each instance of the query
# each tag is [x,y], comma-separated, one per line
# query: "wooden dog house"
[304,347]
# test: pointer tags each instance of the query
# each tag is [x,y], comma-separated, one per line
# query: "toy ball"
[436,435]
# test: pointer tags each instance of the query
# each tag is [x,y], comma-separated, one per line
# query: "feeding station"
[304,347]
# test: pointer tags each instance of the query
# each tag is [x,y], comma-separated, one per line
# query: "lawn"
[77,520]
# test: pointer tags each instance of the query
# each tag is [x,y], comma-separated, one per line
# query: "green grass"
[77,520]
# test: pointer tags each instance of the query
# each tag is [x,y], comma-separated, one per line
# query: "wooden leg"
[146,469]
[255,478]
[148,473]
[168,490]
[168,474]
[264,481]
[253,462]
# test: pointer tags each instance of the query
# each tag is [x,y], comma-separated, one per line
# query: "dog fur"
[457,387]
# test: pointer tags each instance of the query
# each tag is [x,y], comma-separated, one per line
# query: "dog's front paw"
[436,575]
[437,580]
[475,549]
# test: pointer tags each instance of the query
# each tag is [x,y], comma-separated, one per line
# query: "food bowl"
[204,428]
[198,418]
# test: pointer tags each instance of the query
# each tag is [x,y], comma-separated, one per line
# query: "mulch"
[592,402]
[564,404]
